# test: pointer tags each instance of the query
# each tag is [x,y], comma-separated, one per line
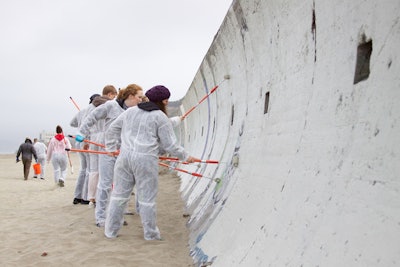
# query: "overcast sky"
[52,50]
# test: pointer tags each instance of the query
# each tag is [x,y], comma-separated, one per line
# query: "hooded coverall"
[58,156]
[143,132]
[81,187]
[96,133]
[107,112]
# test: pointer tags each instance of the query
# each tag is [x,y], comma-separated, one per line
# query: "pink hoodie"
[57,144]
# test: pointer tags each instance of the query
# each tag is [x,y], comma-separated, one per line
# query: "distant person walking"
[41,150]
[27,150]
[56,152]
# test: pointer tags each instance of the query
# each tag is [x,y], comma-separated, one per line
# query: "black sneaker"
[85,202]
[77,201]
[100,224]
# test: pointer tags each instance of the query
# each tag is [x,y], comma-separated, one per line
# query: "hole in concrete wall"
[232,114]
[364,51]
[266,104]
[213,126]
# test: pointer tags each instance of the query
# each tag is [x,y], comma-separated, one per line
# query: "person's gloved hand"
[16,160]
[79,138]
[67,149]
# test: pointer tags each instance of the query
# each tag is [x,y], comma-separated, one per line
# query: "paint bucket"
[36,168]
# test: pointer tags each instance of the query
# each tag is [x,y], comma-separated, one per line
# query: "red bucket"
[36,168]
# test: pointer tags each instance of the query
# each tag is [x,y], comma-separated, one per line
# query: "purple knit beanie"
[158,93]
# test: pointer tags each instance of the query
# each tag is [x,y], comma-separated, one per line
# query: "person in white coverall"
[109,111]
[81,186]
[97,136]
[41,151]
[143,131]
[57,153]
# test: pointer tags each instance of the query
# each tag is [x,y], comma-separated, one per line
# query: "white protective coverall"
[96,134]
[58,156]
[106,112]
[143,134]
[41,151]
[81,187]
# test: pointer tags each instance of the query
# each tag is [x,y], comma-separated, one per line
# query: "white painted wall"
[317,183]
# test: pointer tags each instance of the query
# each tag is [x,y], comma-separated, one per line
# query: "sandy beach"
[40,226]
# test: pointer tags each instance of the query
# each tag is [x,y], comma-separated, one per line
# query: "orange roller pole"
[195,106]
[181,170]
[76,105]
[217,180]
[89,151]
[90,142]
[184,162]
[226,77]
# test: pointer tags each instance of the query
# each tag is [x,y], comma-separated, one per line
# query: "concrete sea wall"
[307,132]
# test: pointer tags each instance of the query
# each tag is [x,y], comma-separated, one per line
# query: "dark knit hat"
[158,93]
[93,97]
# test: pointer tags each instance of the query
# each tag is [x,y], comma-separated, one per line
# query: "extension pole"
[69,158]
[76,105]
[90,142]
[217,180]
[161,158]
[226,77]
[184,162]
[160,163]
[90,151]
[181,170]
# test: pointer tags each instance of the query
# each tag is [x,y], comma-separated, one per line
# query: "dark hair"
[59,129]
[162,106]
[93,97]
